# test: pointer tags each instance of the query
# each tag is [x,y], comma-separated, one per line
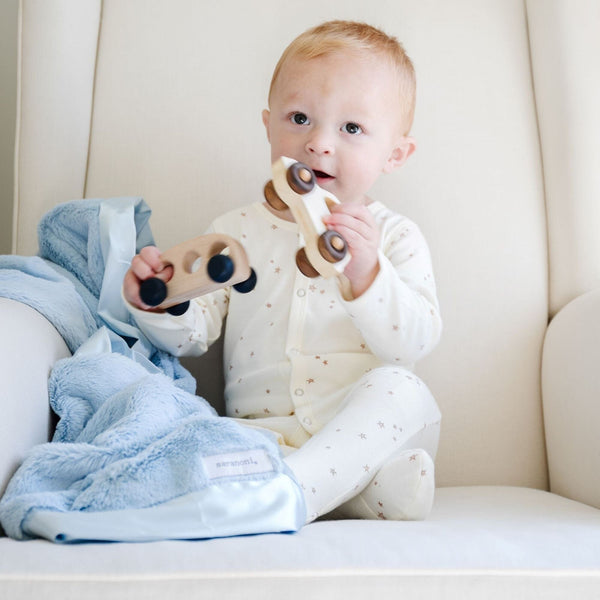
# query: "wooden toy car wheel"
[243,287]
[153,291]
[272,198]
[220,268]
[332,246]
[300,178]
[304,265]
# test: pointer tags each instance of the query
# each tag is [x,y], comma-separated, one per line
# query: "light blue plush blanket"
[85,250]
[136,455]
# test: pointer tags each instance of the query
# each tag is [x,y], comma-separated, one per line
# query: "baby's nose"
[320,143]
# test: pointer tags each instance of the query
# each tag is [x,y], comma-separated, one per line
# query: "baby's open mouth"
[322,174]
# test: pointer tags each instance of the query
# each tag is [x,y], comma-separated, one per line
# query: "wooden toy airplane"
[294,186]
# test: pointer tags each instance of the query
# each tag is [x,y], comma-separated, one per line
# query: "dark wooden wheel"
[153,291]
[220,268]
[272,198]
[300,178]
[243,287]
[332,246]
[304,265]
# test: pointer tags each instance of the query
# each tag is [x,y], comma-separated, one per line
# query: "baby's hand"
[355,223]
[144,265]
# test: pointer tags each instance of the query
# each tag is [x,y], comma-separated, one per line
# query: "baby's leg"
[387,411]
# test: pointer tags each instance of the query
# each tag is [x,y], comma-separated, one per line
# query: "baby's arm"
[189,334]
[398,314]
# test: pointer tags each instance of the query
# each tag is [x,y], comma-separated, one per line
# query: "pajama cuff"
[368,299]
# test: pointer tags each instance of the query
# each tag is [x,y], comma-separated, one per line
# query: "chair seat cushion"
[478,542]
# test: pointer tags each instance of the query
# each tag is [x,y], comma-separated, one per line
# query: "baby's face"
[339,114]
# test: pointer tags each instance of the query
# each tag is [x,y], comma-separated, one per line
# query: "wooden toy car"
[294,186]
[200,266]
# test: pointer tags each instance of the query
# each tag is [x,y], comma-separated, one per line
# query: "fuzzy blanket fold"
[136,456]
[75,282]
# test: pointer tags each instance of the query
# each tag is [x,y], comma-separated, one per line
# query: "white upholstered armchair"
[162,99]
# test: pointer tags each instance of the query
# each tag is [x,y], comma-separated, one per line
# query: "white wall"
[8,94]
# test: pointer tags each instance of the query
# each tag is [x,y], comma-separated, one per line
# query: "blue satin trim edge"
[220,510]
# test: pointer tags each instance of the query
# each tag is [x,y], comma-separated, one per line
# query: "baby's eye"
[352,128]
[300,119]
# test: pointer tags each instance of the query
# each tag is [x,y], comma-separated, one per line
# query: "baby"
[326,367]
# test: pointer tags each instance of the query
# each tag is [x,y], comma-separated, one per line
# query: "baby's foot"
[402,490]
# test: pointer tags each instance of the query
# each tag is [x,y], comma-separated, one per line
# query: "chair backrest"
[162,99]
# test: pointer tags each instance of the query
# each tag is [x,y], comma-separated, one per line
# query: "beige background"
[8,102]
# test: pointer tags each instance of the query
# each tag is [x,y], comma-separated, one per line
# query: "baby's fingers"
[353,223]
[145,265]
[152,257]
[148,263]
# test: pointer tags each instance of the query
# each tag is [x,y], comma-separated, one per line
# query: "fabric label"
[248,462]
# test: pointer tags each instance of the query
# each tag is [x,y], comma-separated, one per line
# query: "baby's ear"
[400,154]
[265,119]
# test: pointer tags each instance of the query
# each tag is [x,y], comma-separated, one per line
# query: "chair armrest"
[571,388]
[29,347]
